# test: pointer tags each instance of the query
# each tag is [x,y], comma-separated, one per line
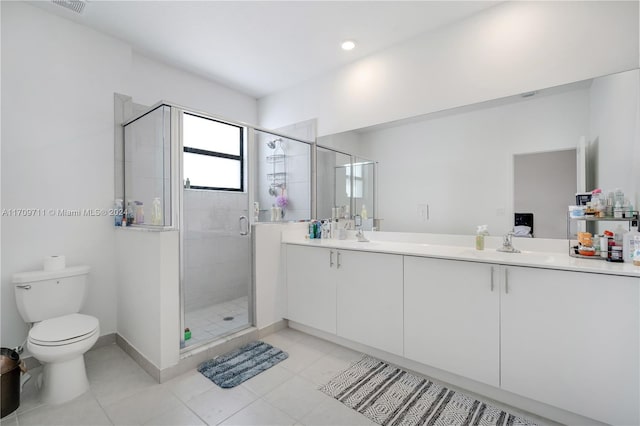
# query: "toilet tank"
[41,295]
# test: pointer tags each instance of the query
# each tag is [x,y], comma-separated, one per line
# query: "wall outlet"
[500,211]
[423,212]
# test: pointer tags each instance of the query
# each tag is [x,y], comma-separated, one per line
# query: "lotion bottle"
[481,232]
[629,244]
[363,213]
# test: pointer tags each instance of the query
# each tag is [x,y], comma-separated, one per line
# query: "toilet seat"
[64,330]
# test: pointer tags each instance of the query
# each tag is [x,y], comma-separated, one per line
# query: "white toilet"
[60,335]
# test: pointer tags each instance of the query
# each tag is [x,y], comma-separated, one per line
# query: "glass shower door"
[216,241]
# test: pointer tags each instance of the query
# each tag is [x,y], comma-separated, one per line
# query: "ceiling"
[261,47]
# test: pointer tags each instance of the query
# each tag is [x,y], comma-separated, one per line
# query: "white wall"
[58,81]
[270,283]
[148,293]
[149,81]
[615,133]
[347,142]
[511,48]
[461,164]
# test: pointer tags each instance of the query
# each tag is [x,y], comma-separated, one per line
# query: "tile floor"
[123,394]
[208,323]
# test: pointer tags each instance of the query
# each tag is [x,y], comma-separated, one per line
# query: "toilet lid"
[62,329]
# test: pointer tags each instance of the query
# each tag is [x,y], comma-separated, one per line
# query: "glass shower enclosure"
[197,168]
[211,179]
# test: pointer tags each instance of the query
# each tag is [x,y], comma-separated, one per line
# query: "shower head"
[272,144]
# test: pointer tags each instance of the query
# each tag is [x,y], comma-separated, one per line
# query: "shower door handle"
[245,230]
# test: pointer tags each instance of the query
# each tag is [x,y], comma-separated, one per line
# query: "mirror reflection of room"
[459,165]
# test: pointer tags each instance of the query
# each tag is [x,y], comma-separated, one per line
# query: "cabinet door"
[370,299]
[311,287]
[451,316]
[572,340]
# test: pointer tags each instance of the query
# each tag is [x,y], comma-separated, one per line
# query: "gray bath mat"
[235,367]
[391,396]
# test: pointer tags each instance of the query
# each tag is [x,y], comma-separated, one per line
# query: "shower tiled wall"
[216,256]
[146,165]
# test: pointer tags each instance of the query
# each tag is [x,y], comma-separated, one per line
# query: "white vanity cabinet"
[311,286]
[369,297]
[571,339]
[564,338]
[452,316]
[356,295]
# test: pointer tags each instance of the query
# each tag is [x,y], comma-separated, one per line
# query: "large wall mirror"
[462,166]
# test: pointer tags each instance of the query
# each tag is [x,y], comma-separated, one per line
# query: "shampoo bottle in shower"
[156,212]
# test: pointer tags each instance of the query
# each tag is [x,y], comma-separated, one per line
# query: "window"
[354,172]
[213,154]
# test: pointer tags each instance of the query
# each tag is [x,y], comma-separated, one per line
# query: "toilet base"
[63,381]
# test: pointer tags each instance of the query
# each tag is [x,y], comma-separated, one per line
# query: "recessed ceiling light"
[348,45]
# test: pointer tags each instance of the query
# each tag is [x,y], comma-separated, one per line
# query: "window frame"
[217,154]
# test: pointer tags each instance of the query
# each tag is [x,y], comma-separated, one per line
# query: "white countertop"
[535,259]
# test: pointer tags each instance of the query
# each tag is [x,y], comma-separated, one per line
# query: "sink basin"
[511,250]
[536,257]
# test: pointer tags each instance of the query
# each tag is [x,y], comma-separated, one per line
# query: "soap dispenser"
[480,233]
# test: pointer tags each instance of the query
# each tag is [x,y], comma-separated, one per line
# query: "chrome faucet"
[507,245]
[360,236]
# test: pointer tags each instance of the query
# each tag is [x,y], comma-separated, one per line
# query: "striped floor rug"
[237,366]
[391,396]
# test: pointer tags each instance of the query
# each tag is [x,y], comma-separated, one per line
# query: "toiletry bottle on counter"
[616,254]
[139,212]
[629,241]
[618,236]
[118,212]
[636,252]
[481,232]
[604,246]
[131,213]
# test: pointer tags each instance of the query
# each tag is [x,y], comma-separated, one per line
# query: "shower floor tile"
[209,323]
